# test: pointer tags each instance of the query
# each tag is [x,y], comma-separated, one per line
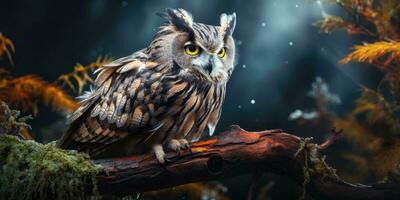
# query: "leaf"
[386,158]
[357,134]
[371,53]
[80,75]
[6,48]
[27,91]
[330,23]
[389,17]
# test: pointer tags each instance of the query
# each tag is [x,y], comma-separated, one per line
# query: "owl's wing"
[116,106]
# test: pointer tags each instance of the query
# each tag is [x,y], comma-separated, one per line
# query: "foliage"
[374,129]
[381,53]
[331,23]
[11,123]
[323,99]
[385,56]
[81,74]
[6,48]
[34,171]
[373,126]
[377,19]
[26,91]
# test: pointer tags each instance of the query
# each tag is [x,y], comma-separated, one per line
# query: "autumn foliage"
[381,53]
[373,126]
[26,92]
[6,48]
[80,75]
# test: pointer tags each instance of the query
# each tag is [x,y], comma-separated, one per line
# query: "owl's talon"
[177,146]
[171,160]
[159,154]
[184,144]
[174,145]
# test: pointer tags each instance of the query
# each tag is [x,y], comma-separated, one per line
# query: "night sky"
[280,55]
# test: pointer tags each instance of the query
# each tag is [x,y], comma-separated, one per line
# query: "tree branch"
[236,152]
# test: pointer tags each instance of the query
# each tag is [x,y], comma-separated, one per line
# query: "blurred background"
[281,54]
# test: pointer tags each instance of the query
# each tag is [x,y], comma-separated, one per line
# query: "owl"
[160,97]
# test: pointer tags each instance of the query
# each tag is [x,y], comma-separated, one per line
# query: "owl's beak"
[206,64]
[209,67]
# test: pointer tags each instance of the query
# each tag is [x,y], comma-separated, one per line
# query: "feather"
[137,116]
[83,131]
[98,131]
[119,62]
[106,86]
[176,89]
[120,102]
[190,103]
[103,110]
[154,76]
[122,120]
[104,75]
[111,115]
[154,86]
[94,126]
[182,19]
[125,84]
[135,85]
[106,132]
[145,119]
[227,24]
[150,64]
[128,105]
[136,64]
[95,111]
[141,95]
[186,125]
[150,107]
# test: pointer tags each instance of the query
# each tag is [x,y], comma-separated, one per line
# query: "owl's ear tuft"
[227,23]
[180,18]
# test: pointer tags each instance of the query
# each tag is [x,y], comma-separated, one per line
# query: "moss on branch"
[35,171]
[314,164]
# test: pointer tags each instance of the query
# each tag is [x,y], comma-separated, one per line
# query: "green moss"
[30,170]
[314,164]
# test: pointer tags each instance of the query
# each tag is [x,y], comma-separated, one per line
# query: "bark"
[236,152]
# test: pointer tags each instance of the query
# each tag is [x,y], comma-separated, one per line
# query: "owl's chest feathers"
[193,108]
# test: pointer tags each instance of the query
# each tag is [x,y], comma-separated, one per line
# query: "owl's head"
[198,49]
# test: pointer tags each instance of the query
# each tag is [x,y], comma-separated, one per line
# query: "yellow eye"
[221,52]
[192,50]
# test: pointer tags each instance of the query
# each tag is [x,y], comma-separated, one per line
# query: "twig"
[331,139]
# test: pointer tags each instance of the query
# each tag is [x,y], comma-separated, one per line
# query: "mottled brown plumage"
[157,94]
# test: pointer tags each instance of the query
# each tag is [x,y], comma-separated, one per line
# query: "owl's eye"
[192,50]
[221,52]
